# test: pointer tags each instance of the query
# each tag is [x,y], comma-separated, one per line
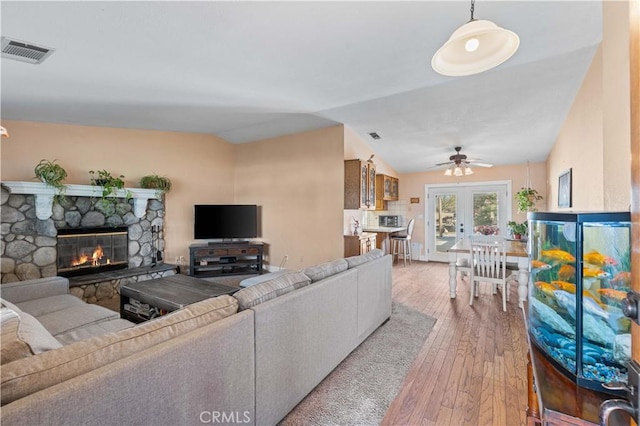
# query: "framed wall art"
[564,189]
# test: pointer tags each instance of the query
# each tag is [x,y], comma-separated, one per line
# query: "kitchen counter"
[383,232]
[385,229]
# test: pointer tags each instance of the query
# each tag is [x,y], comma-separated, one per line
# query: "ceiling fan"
[459,164]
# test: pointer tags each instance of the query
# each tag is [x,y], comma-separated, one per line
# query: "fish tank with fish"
[579,275]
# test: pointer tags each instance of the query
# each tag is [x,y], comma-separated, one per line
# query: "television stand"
[226,258]
[228,242]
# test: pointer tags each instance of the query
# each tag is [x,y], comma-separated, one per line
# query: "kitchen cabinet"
[387,188]
[355,245]
[359,185]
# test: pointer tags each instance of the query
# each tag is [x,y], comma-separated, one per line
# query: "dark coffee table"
[144,300]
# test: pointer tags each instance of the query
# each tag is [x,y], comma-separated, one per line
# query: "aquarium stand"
[556,400]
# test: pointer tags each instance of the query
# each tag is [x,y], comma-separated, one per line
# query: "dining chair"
[404,239]
[488,257]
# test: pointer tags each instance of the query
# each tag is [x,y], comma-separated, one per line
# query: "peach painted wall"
[200,166]
[298,180]
[580,146]
[413,185]
[595,138]
[616,106]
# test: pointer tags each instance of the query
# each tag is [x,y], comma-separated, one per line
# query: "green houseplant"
[518,229]
[110,184]
[53,175]
[161,184]
[526,199]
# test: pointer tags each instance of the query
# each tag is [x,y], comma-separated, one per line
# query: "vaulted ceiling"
[246,71]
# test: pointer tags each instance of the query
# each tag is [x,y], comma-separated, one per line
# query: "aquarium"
[580,273]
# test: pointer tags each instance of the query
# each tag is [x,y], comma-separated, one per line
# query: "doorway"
[456,211]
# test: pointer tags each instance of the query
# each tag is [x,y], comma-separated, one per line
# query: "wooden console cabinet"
[355,245]
[215,259]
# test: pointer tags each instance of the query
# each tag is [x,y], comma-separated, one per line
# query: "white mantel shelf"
[44,195]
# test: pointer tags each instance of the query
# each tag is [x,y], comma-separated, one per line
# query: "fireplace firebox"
[90,250]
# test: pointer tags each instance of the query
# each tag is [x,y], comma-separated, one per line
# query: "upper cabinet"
[386,190]
[359,185]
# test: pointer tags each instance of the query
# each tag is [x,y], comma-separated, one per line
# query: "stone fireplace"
[40,237]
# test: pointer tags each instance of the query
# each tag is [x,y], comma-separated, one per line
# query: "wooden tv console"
[216,259]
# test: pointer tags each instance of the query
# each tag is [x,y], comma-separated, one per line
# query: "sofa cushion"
[259,293]
[26,376]
[93,330]
[46,305]
[65,320]
[324,270]
[22,336]
[354,261]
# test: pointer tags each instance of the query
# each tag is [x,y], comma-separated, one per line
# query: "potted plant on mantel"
[161,184]
[53,175]
[518,230]
[110,184]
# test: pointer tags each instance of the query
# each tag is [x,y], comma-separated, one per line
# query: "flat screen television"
[212,221]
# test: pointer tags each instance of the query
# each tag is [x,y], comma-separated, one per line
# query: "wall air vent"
[24,52]
[375,136]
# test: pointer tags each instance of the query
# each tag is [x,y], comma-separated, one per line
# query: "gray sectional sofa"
[248,358]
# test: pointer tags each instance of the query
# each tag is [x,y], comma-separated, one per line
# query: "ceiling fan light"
[447,172]
[457,171]
[494,46]
[468,171]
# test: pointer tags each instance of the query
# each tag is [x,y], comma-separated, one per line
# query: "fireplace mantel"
[44,195]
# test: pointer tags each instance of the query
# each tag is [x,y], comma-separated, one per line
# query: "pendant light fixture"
[476,46]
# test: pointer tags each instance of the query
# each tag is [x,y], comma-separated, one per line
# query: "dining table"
[516,254]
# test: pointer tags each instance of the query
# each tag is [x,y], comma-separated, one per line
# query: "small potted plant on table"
[518,230]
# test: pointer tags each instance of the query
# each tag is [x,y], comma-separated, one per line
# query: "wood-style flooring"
[472,368]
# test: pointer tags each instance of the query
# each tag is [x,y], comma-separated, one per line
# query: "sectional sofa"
[249,358]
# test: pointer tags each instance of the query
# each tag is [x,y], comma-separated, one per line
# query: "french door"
[455,212]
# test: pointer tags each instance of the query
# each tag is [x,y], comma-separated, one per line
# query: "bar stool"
[405,239]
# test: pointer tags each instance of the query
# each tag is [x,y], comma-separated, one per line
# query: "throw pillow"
[6,304]
[324,270]
[23,336]
[259,293]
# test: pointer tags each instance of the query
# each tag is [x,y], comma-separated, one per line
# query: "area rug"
[360,390]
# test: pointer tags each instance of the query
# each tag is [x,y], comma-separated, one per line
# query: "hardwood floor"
[472,368]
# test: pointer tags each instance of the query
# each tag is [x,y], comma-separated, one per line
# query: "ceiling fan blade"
[481,164]
[442,164]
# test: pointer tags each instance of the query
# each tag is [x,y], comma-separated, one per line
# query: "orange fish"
[537,264]
[613,294]
[546,288]
[558,254]
[599,259]
[594,273]
[622,279]
[563,285]
[566,272]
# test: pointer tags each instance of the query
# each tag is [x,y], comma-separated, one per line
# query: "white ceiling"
[246,71]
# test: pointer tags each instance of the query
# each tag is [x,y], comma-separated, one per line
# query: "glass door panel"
[485,213]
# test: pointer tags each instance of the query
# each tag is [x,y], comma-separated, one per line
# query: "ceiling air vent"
[374,136]
[24,52]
